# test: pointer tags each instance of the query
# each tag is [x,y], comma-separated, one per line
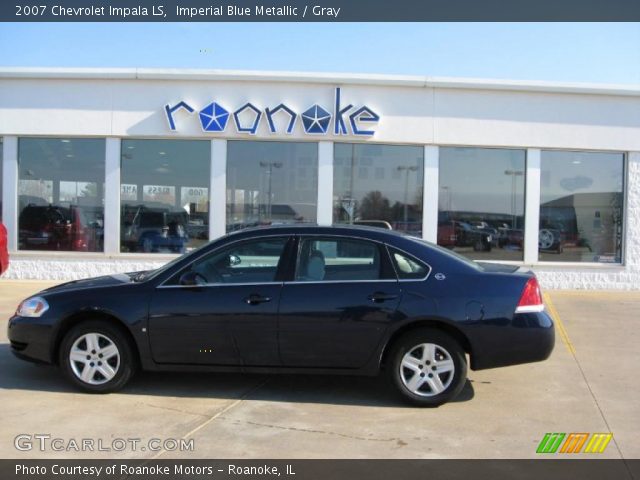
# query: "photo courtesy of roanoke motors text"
[319,240]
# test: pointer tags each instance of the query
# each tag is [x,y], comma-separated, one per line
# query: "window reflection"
[61,194]
[481,202]
[581,207]
[164,195]
[271,183]
[379,185]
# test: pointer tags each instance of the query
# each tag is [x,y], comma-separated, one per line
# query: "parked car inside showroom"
[467,236]
[51,227]
[298,299]
[153,229]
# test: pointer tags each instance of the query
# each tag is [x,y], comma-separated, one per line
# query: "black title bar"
[543,469]
[318,11]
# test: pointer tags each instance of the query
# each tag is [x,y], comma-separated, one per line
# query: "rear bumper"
[30,339]
[530,337]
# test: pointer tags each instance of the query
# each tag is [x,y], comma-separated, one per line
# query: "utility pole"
[269,166]
[406,169]
[514,186]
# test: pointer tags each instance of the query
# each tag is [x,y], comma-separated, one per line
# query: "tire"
[147,245]
[478,246]
[450,355]
[108,373]
[546,239]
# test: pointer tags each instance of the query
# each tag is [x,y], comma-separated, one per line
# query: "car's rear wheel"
[97,357]
[428,367]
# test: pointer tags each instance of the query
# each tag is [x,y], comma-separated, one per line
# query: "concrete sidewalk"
[586,386]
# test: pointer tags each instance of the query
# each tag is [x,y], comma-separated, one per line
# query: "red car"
[4,254]
[51,227]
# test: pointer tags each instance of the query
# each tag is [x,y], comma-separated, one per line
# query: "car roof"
[315,229]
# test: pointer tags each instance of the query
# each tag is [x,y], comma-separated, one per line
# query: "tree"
[375,206]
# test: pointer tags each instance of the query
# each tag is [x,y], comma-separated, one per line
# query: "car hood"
[104,281]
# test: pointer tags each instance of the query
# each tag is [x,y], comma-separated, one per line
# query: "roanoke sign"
[344,119]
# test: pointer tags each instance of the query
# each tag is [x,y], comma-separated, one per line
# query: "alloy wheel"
[94,358]
[545,239]
[427,369]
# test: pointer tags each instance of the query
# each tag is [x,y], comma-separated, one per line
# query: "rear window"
[407,267]
[447,252]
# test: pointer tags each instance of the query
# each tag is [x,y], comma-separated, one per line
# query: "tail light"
[531,298]
[79,234]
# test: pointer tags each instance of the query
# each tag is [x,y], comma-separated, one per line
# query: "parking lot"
[588,385]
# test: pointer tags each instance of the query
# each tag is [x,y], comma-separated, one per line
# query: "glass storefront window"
[164,195]
[481,202]
[270,183]
[379,185]
[581,205]
[61,194]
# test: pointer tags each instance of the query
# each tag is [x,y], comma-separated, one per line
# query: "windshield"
[148,275]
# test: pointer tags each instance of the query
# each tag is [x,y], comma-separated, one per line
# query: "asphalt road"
[588,385]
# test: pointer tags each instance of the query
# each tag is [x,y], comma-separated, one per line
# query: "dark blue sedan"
[339,300]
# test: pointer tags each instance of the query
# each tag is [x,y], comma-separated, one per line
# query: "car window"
[337,259]
[254,261]
[445,252]
[407,267]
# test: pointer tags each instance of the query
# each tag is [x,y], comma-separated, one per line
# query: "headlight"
[32,307]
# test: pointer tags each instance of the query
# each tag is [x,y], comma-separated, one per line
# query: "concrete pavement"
[586,386]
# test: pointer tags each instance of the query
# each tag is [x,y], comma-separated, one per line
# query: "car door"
[342,298]
[222,308]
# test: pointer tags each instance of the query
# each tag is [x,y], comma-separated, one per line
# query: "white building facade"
[111,170]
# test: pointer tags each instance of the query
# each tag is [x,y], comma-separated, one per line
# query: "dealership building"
[112,170]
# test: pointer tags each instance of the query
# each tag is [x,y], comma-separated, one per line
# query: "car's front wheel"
[97,357]
[428,367]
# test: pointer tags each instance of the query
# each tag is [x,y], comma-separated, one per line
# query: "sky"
[561,52]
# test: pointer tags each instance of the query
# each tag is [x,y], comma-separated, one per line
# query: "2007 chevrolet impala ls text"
[295,299]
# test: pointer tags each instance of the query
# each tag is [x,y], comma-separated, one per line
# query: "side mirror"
[234,260]
[192,279]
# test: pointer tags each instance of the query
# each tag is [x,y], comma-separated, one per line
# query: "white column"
[218,190]
[112,196]
[532,206]
[631,217]
[430,193]
[325,183]
[10,190]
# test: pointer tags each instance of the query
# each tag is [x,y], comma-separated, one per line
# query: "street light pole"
[447,205]
[351,180]
[406,169]
[270,166]
[514,186]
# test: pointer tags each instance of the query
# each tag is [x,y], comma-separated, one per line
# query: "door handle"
[255,299]
[379,297]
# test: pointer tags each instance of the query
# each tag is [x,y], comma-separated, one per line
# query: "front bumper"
[31,338]
[529,337]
